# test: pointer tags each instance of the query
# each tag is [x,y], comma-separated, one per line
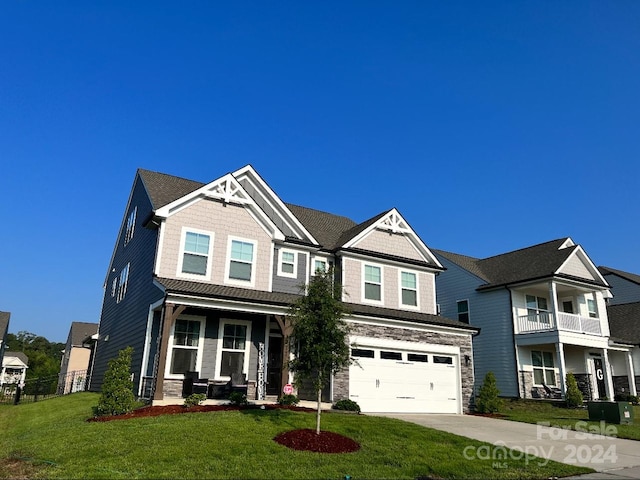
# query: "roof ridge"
[288,204]
[529,247]
[140,169]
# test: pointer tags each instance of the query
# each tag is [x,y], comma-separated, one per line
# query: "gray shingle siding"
[623,290]
[493,349]
[286,284]
[125,323]
[271,213]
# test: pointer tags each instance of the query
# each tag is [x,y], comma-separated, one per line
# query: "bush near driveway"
[234,444]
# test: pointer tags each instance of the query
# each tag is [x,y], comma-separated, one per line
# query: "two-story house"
[542,312]
[202,276]
[76,357]
[623,311]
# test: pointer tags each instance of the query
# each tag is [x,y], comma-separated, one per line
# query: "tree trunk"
[319,410]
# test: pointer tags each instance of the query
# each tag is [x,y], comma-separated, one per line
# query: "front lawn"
[56,442]
[536,411]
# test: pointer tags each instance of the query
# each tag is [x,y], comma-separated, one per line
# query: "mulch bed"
[302,439]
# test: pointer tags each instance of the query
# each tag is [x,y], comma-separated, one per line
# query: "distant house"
[14,368]
[542,311]
[625,286]
[203,274]
[76,358]
[624,323]
[4,331]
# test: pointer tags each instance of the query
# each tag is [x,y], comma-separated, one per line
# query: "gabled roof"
[530,263]
[624,322]
[4,323]
[632,277]
[19,355]
[80,331]
[358,229]
[207,290]
[164,189]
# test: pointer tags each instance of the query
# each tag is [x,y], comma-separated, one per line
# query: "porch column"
[631,374]
[171,313]
[561,365]
[553,296]
[608,379]
[285,327]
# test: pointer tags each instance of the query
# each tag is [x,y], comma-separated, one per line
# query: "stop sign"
[288,389]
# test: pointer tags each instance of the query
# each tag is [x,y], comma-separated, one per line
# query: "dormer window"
[287,264]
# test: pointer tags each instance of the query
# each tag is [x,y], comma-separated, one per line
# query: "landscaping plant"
[346,404]
[194,399]
[574,395]
[238,398]
[117,389]
[487,400]
[288,400]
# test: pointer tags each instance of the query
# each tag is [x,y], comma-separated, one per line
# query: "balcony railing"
[545,321]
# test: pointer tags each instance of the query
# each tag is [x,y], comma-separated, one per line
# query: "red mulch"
[305,439]
[325,442]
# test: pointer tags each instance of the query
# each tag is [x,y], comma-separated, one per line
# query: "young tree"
[117,389]
[487,400]
[319,334]
[573,396]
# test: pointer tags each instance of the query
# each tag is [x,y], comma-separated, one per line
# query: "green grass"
[54,437]
[536,411]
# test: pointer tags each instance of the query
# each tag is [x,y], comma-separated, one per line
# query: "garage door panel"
[392,385]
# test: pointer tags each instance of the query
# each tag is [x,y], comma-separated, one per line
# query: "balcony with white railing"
[568,322]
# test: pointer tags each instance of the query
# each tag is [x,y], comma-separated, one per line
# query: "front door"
[599,370]
[274,366]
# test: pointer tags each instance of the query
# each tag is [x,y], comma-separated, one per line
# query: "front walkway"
[610,457]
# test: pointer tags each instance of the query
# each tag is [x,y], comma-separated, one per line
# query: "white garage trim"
[403,345]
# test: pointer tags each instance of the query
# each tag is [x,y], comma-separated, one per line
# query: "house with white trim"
[202,276]
[14,368]
[543,313]
[76,358]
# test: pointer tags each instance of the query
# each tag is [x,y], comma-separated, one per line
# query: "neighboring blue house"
[542,312]
[625,286]
[4,331]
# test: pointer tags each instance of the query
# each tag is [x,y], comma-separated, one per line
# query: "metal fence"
[37,389]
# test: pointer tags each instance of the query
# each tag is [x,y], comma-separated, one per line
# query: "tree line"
[44,356]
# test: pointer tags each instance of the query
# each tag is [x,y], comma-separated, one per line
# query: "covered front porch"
[194,349]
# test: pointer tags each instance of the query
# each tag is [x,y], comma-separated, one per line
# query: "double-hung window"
[131,223]
[287,265]
[372,283]
[187,341]
[463,311]
[409,289]
[537,308]
[122,283]
[241,260]
[592,307]
[196,254]
[543,368]
[233,345]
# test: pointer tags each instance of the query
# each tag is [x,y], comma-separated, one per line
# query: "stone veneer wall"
[341,380]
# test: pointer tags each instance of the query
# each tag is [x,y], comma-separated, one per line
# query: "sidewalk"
[612,458]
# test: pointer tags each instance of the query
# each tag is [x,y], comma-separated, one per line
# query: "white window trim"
[468,310]
[363,281]
[318,259]
[400,288]
[181,252]
[594,302]
[543,368]
[247,346]
[193,318]
[114,286]
[281,273]
[227,267]
[122,283]
[131,226]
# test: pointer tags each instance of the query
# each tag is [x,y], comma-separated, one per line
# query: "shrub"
[238,398]
[346,404]
[573,396]
[194,399]
[288,400]
[625,397]
[117,389]
[487,400]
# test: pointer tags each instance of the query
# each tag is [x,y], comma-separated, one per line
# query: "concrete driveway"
[610,457]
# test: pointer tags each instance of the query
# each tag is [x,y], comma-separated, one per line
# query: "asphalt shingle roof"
[537,261]
[624,322]
[632,277]
[19,355]
[81,330]
[164,189]
[284,299]
[326,228]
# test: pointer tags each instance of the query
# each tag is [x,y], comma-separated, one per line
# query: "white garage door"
[392,380]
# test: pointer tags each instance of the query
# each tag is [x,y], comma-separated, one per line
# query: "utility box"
[611,412]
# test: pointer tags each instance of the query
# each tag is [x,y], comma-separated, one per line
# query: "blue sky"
[491,126]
